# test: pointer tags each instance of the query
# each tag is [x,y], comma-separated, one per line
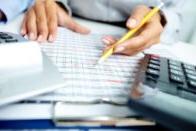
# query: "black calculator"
[173,82]
[7,37]
[170,76]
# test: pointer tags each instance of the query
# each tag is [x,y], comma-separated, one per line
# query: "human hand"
[148,35]
[41,21]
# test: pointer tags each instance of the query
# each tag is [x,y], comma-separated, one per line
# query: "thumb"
[136,16]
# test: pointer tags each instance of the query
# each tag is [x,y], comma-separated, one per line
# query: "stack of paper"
[91,90]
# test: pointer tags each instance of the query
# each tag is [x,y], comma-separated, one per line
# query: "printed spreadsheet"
[75,56]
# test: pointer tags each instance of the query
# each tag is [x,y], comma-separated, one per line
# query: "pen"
[129,34]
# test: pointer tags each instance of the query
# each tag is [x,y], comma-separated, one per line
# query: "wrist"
[64,6]
[162,17]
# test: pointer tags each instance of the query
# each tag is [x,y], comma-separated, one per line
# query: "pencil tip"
[99,62]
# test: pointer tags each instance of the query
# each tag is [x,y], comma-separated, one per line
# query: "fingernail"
[132,23]
[32,36]
[51,38]
[87,31]
[119,49]
[39,39]
[22,31]
[106,41]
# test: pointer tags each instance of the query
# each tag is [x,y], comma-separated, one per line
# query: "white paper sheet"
[19,58]
[75,55]
[26,111]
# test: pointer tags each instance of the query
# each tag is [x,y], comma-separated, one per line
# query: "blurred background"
[188,33]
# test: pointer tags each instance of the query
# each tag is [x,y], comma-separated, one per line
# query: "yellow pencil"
[130,33]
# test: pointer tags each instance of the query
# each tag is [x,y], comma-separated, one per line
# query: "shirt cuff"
[172,27]
[163,19]
[12,9]
[63,4]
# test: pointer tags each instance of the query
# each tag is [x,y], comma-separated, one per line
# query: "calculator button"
[6,37]
[3,35]
[152,66]
[174,62]
[12,40]
[152,72]
[176,72]
[154,57]
[192,83]
[150,81]
[148,77]
[189,67]
[190,72]
[177,79]
[179,68]
[155,62]
[191,77]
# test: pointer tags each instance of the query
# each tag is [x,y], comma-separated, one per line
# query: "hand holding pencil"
[145,30]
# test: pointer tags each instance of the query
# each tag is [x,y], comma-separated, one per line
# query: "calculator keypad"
[175,76]
[192,84]
[7,38]
[153,68]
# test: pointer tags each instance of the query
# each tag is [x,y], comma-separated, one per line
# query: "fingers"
[29,27]
[146,46]
[51,19]
[108,40]
[41,21]
[23,30]
[136,16]
[149,36]
[66,21]
[72,25]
